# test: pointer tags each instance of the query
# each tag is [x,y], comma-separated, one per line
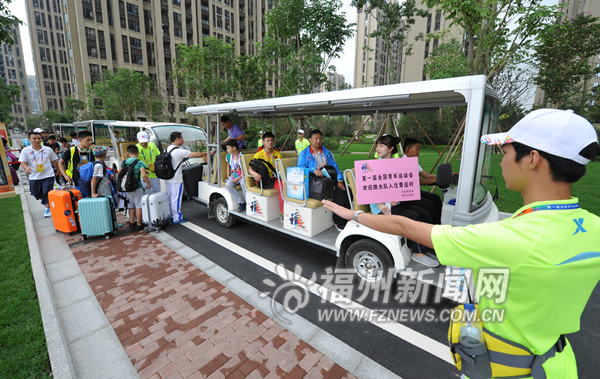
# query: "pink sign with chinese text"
[386,180]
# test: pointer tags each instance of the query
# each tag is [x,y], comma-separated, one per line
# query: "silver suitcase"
[155,211]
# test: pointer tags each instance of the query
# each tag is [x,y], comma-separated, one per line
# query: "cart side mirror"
[444,175]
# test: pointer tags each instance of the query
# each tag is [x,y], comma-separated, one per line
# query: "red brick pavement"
[175,321]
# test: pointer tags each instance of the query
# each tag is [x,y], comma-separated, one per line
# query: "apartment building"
[370,69]
[337,82]
[12,69]
[74,41]
[34,95]
[572,8]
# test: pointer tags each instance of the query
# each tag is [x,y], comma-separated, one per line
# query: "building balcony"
[167,53]
[189,28]
[242,49]
[205,24]
[165,21]
[204,35]
[242,25]
[243,37]
[242,2]
[166,37]
[188,13]
[242,13]
[164,5]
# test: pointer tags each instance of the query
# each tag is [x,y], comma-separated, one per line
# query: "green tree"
[51,117]
[205,72]
[563,54]
[33,122]
[9,92]
[249,78]
[447,61]
[119,95]
[74,107]
[394,20]
[497,32]
[303,37]
[7,23]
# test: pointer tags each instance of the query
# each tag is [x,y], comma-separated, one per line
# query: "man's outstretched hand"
[346,213]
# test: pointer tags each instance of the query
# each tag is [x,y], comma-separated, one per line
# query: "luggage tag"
[325,173]
[40,167]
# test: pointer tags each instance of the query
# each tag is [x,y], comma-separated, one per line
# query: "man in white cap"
[148,153]
[301,142]
[550,246]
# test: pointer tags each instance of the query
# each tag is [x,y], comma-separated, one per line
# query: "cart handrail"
[281,175]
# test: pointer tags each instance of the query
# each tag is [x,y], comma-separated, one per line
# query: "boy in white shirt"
[175,185]
[37,161]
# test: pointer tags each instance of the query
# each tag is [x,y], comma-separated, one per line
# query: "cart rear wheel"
[222,215]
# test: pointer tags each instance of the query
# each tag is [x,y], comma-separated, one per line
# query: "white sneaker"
[432,256]
[47,212]
[425,261]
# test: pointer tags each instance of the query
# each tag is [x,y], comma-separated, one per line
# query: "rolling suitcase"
[192,174]
[63,206]
[155,211]
[97,217]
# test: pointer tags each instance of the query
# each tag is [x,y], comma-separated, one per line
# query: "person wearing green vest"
[260,141]
[550,246]
[301,143]
[148,153]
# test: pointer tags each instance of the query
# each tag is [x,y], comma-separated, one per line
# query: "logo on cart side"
[296,220]
[255,207]
[366,168]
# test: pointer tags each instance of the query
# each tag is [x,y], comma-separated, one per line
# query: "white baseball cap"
[300,131]
[553,131]
[38,130]
[143,137]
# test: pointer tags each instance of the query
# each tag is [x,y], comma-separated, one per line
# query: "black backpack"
[126,180]
[260,167]
[163,168]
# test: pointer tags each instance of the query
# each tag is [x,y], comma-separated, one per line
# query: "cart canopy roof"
[426,96]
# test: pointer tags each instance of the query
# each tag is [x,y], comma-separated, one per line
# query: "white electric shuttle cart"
[369,252]
[117,135]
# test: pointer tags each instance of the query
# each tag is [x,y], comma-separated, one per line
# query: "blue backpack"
[86,172]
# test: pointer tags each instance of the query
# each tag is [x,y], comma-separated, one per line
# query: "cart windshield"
[489,124]
[194,138]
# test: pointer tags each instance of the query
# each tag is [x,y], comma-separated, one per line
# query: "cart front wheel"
[370,260]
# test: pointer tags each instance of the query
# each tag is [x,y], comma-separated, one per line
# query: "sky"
[344,65]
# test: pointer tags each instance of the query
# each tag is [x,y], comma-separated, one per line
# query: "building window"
[177,17]
[137,59]
[132,9]
[136,43]
[90,34]
[178,32]
[88,15]
[92,51]
[134,25]
[177,2]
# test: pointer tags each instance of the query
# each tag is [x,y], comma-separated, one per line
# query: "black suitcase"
[192,174]
[320,188]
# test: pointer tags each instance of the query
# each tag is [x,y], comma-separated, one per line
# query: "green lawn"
[22,340]
[587,189]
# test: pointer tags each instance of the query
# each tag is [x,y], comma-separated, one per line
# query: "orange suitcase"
[63,205]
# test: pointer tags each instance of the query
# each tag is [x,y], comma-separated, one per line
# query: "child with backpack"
[129,180]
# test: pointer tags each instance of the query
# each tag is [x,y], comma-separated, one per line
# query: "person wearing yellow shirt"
[301,142]
[148,153]
[268,154]
[550,246]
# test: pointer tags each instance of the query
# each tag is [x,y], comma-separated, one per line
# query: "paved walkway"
[133,306]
